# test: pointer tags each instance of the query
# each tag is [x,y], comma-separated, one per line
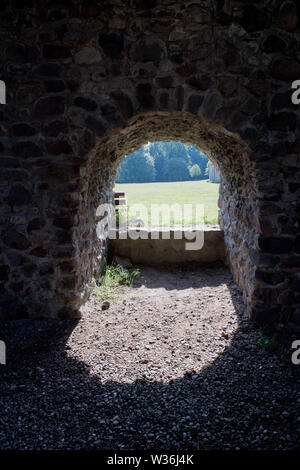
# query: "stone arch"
[81,79]
[226,149]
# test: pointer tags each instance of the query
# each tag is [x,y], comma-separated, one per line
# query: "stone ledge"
[152,249]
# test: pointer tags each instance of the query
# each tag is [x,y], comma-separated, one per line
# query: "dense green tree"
[138,167]
[158,151]
[154,162]
[164,151]
[195,172]
[176,169]
[177,150]
[199,158]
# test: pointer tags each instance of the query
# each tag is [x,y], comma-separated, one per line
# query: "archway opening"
[165,184]
[226,150]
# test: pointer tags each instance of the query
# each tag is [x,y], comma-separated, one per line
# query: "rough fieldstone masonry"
[90,81]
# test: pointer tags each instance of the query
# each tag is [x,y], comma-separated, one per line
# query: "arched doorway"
[225,149]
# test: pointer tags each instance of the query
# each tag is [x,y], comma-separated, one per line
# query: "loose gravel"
[171,364]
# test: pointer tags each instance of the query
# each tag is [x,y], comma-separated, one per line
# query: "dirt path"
[172,364]
[174,323]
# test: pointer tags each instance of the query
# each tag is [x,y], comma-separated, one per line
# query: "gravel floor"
[172,364]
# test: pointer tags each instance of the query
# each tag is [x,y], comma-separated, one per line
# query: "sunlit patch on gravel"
[170,326]
[171,365]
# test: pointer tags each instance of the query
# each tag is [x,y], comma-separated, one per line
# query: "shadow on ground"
[245,399]
[184,276]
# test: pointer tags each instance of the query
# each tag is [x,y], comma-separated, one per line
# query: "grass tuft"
[115,276]
[268,343]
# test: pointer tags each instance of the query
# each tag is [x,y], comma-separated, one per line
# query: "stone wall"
[88,82]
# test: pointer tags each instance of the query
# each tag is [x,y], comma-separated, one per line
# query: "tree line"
[163,161]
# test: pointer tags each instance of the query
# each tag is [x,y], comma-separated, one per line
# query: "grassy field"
[180,192]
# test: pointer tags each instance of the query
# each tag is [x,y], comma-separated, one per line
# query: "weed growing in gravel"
[268,343]
[114,277]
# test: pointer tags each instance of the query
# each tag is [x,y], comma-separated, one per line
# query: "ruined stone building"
[88,82]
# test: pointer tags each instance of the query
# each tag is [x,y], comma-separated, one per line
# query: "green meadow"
[179,193]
